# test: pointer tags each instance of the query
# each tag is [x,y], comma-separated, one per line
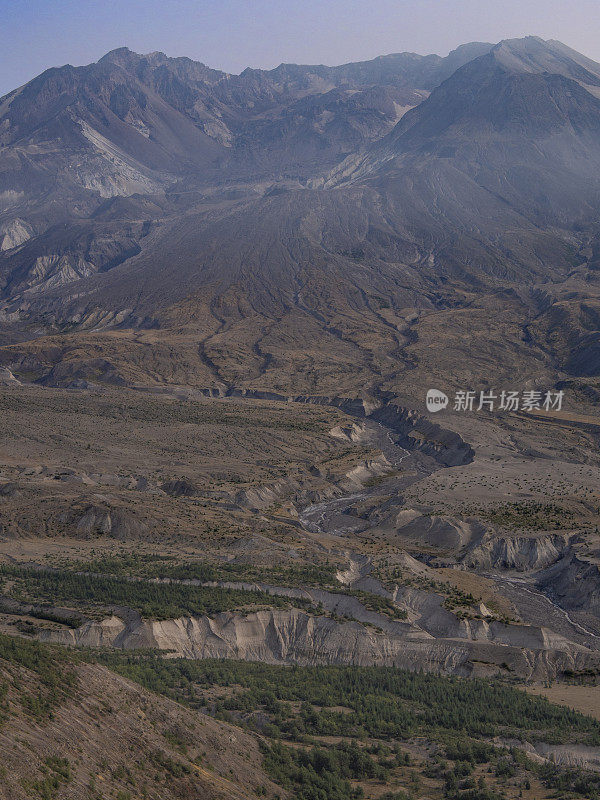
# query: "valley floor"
[312,535]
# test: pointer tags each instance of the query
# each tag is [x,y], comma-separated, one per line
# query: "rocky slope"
[113,736]
[163,195]
[575,581]
[522,553]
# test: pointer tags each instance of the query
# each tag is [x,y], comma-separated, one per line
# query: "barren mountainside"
[304,203]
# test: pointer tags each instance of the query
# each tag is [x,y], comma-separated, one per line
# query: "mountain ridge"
[483,187]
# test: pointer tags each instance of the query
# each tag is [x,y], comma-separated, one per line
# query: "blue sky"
[233,34]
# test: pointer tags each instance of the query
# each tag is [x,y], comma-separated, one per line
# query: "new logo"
[436,400]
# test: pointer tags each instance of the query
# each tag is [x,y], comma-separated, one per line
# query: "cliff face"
[575,582]
[294,637]
[516,552]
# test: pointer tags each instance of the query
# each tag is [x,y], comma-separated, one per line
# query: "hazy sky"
[233,34]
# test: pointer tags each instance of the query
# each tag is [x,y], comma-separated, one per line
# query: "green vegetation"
[380,702]
[531,515]
[152,600]
[320,772]
[378,604]
[57,773]
[369,712]
[4,687]
[456,600]
[176,769]
[584,676]
[569,782]
[50,666]
[49,615]
[160,566]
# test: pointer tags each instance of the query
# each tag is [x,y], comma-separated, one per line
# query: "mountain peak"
[535,55]
[491,110]
[118,55]
[477,147]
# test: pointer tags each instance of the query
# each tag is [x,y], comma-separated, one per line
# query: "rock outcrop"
[292,636]
[441,531]
[575,582]
[516,552]
[103,519]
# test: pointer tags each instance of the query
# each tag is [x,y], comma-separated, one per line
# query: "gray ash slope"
[129,184]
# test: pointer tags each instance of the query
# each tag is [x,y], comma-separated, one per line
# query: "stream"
[331,516]
[539,609]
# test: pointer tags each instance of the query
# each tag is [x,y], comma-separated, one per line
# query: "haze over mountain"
[305,203]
